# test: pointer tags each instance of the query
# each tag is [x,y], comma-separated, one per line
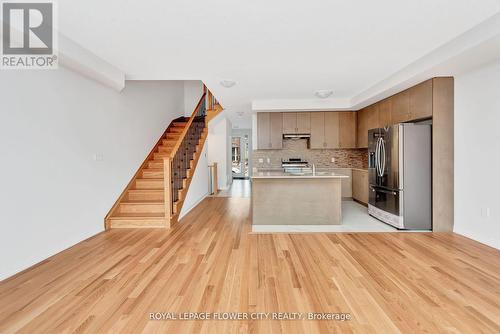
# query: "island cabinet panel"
[347,129]
[400,111]
[303,122]
[289,122]
[384,113]
[331,130]
[420,97]
[360,185]
[317,139]
[269,130]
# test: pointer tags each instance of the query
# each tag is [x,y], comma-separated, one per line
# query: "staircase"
[155,195]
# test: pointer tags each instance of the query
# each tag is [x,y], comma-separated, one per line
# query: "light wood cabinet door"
[303,122]
[362,129]
[384,113]
[347,129]
[400,111]
[421,100]
[289,123]
[263,131]
[360,185]
[276,130]
[317,140]
[331,130]
[372,118]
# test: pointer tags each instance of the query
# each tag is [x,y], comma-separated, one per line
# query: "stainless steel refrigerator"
[400,175]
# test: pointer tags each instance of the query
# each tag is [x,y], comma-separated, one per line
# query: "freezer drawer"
[389,201]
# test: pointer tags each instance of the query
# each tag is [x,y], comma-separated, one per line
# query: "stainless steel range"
[295,165]
[400,171]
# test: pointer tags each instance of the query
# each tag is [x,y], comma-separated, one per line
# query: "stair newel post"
[167,188]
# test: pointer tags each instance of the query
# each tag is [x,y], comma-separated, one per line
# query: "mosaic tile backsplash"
[344,158]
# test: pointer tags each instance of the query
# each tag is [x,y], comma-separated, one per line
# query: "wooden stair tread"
[141,215]
[128,202]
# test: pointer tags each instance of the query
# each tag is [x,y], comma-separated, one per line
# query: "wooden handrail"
[186,128]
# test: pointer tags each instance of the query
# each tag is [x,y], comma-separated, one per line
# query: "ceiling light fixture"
[323,94]
[228,83]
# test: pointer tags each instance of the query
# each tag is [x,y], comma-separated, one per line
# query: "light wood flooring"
[388,282]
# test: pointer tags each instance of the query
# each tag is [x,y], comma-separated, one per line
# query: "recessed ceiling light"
[228,83]
[323,93]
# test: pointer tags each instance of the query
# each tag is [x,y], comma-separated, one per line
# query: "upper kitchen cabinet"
[296,123]
[269,130]
[368,118]
[421,100]
[324,130]
[400,109]
[347,129]
[384,113]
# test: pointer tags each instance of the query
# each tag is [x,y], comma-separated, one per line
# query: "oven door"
[389,201]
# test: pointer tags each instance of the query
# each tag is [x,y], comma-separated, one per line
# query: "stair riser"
[155,164]
[152,174]
[148,184]
[133,223]
[145,196]
[165,149]
[141,208]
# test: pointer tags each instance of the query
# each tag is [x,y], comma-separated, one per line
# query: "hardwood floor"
[388,282]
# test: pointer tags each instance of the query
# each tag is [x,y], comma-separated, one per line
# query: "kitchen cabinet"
[384,113]
[296,122]
[324,130]
[360,185]
[400,111]
[347,129]
[269,130]
[367,119]
[420,100]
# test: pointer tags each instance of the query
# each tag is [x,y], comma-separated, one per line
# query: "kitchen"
[366,160]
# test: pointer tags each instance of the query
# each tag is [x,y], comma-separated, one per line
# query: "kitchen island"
[310,198]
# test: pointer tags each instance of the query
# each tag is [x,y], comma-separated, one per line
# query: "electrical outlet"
[261,161]
[332,160]
[98,157]
[268,160]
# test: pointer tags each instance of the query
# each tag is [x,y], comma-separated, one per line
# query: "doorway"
[240,156]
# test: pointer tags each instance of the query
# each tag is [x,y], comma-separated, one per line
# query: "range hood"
[297,136]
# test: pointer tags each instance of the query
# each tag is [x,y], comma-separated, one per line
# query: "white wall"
[198,189]
[193,90]
[477,158]
[219,148]
[52,123]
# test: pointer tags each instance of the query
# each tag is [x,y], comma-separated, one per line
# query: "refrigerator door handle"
[377,156]
[383,158]
[380,190]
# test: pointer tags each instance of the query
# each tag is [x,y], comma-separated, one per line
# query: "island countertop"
[280,174]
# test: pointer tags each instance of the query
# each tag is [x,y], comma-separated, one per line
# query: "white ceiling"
[275,50]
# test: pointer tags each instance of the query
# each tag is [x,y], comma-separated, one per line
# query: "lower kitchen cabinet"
[360,185]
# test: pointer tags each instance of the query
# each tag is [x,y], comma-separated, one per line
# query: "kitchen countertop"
[280,174]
